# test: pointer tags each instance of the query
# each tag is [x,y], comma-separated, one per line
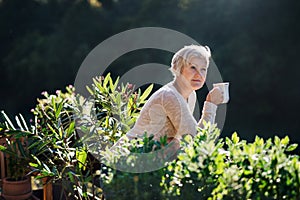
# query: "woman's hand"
[215,96]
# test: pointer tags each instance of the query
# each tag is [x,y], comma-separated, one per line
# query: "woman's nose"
[199,74]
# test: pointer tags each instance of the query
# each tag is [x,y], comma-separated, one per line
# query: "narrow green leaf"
[8,120]
[112,85]
[37,160]
[53,103]
[46,168]
[116,83]
[81,156]
[19,123]
[71,128]
[235,139]
[58,111]
[146,93]
[21,148]
[277,141]
[2,148]
[292,147]
[285,141]
[89,90]
[33,165]
[52,129]
[106,80]
[24,122]
[98,84]
[71,177]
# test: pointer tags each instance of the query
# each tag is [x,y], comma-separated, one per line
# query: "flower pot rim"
[10,179]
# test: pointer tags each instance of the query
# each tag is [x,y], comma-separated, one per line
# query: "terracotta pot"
[47,189]
[16,190]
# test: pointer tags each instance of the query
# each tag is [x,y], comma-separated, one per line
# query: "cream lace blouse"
[168,113]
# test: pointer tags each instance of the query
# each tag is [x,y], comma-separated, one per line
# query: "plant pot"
[16,190]
[47,188]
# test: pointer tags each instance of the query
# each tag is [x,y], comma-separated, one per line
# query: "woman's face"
[195,72]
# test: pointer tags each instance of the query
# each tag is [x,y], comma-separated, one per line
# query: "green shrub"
[62,156]
[209,168]
[119,184]
[16,143]
[111,110]
[69,126]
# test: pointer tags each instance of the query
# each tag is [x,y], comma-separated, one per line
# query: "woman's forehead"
[199,62]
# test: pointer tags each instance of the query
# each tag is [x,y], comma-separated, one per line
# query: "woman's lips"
[197,81]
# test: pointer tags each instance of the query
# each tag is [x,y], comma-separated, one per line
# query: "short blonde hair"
[184,55]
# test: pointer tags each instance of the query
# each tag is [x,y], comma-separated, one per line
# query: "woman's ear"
[181,68]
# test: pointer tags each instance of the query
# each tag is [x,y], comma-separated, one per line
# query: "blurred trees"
[254,44]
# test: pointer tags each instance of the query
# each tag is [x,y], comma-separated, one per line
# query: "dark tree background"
[254,43]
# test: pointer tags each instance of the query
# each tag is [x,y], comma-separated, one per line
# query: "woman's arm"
[208,113]
[214,98]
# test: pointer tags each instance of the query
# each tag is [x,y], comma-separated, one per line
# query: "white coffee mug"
[224,87]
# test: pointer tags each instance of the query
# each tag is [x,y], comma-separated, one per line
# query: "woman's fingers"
[215,96]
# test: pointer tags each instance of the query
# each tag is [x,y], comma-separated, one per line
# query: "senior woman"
[169,111]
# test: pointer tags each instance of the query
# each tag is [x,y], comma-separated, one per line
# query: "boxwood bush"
[209,167]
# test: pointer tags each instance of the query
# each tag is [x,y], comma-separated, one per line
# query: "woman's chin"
[197,86]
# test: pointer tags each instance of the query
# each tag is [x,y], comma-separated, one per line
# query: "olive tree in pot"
[63,161]
[69,134]
[17,183]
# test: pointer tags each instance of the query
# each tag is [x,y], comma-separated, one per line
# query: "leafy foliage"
[118,184]
[109,113]
[210,169]
[61,155]
[67,127]
[17,146]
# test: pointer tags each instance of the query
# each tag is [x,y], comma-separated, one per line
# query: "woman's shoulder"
[166,92]
[169,94]
[166,89]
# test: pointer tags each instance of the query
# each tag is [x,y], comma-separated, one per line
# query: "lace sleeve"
[208,113]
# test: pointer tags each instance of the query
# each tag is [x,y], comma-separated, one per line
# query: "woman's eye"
[193,67]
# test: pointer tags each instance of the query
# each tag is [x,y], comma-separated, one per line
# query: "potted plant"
[55,147]
[17,183]
[64,128]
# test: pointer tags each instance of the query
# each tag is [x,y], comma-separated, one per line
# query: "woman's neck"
[182,88]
